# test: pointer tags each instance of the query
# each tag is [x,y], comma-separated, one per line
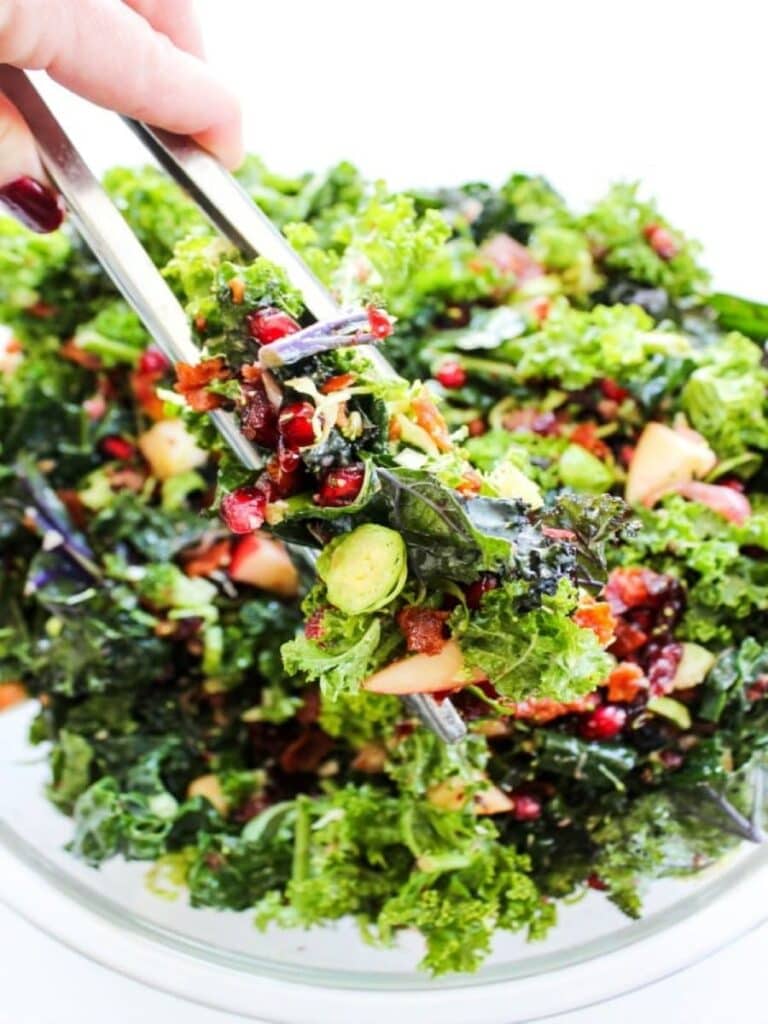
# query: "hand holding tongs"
[232,212]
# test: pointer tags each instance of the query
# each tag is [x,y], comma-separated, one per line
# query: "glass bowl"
[220,959]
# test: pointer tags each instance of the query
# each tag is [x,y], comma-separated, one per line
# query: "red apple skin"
[260,561]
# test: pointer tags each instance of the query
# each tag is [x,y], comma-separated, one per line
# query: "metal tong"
[120,253]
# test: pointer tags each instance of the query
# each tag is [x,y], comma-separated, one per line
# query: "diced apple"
[663,459]
[725,501]
[170,449]
[263,562]
[511,482]
[421,673]
[492,800]
[695,663]
[10,352]
[209,787]
[449,795]
[452,795]
[370,758]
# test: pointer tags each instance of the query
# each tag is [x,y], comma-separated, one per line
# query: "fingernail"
[35,205]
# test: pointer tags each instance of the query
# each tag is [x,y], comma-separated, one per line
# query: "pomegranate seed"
[243,510]
[340,486]
[451,375]
[285,473]
[379,323]
[295,424]
[258,418]
[118,448]
[612,390]
[475,592]
[527,807]
[153,361]
[661,241]
[604,723]
[270,324]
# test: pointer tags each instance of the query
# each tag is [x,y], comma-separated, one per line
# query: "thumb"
[22,190]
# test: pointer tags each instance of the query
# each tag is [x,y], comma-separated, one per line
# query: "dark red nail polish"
[35,205]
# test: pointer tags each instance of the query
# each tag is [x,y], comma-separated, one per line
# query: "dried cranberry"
[452,375]
[629,638]
[477,427]
[612,390]
[153,361]
[663,666]
[475,592]
[306,752]
[118,448]
[314,628]
[285,471]
[671,759]
[295,424]
[758,689]
[253,806]
[527,807]
[258,418]
[340,486]
[243,510]
[379,323]
[270,324]
[595,882]
[604,723]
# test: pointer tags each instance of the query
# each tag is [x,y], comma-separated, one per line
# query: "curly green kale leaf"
[347,649]
[540,653]
[620,228]
[726,397]
[576,347]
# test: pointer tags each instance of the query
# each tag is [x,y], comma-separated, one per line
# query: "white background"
[43,983]
[429,92]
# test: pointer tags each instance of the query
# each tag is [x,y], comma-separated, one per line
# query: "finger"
[22,192]
[139,73]
[176,19]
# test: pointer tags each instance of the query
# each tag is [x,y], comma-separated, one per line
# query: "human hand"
[143,58]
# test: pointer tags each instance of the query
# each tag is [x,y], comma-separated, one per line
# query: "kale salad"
[553,512]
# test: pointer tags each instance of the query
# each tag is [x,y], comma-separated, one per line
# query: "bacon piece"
[597,616]
[633,587]
[338,383]
[192,382]
[203,561]
[625,682]
[423,629]
[585,435]
[541,710]
[430,419]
